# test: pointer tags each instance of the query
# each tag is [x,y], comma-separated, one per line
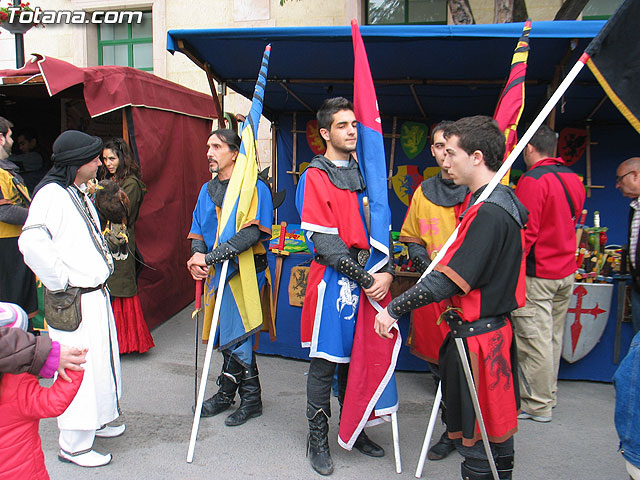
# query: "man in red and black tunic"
[483,273]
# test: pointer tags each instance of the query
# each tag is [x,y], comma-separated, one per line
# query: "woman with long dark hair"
[133,332]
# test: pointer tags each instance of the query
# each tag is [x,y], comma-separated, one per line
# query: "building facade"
[144,45]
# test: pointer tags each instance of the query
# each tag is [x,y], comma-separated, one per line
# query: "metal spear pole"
[207,362]
[196,314]
[476,405]
[429,434]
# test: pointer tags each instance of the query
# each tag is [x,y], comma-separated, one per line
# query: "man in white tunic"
[61,242]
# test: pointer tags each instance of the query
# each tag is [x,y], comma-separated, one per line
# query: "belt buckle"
[363,256]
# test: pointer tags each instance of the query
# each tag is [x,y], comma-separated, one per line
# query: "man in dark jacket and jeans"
[554,197]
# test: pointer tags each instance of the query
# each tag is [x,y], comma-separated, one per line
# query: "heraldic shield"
[405,181]
[586,319]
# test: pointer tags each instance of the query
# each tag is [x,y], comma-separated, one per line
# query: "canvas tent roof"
[167,126]
[107,88]
[447,71]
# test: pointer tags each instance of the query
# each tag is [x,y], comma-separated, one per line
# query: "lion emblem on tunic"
[346,297]
[496,362]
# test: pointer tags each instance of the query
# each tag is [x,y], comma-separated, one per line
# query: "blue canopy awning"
[445,71]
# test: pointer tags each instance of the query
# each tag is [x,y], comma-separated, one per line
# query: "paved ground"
[580,443]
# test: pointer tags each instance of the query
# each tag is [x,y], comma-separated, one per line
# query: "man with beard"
[61,242]
[239,368]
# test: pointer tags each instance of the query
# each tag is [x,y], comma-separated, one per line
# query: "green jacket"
[122,283]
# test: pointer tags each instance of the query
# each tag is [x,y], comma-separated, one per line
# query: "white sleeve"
[44,222]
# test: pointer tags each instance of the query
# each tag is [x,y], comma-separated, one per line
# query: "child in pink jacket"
[23,402]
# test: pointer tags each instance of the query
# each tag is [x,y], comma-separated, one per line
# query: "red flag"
[511,103]
[371,388]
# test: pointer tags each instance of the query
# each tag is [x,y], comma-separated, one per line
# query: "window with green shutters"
[127,44]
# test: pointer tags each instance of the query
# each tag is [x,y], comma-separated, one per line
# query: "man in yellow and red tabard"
[433,214]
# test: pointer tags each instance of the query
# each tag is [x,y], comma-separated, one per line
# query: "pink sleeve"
[53,360]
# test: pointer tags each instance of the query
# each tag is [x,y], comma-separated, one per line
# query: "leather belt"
[93,289]
[462,329]
[261,262]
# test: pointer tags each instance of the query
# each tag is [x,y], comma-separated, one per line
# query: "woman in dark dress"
[133,332]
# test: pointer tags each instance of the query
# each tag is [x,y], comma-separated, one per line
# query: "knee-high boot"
[317,441]
[250,397]
[363,443]
[228,381]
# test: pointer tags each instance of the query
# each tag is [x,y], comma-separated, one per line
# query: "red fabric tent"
[168,126]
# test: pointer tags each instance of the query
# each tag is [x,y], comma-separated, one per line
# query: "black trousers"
[319,380]
[435,372]
[477,451]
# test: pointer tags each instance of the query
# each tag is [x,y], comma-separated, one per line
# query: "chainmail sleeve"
[418,256]
[198,246]
[333,252]
[241,241]
[245,238]
[435,287]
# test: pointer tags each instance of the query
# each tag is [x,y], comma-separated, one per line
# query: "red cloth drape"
[172,151]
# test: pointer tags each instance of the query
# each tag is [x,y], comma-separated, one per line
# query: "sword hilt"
[198,306]
[281,238]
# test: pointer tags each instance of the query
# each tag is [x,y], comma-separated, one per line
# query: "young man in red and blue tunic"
[329,199]
[483,273]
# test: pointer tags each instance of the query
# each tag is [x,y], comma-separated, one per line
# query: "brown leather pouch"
[63,310]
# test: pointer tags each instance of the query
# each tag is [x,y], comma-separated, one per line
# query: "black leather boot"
[504,464]
[367,446]
[470,470]
[250,397]
[363,443]
[317,441]
[441,449]
[228,381]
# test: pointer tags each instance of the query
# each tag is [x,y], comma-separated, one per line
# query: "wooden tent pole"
[589,161]
[589,186]
[392,155]
[125,127]
[211,75]
[415,97]
[290,92]
[223,94]
[294,160]
[214,92]
[274,164]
